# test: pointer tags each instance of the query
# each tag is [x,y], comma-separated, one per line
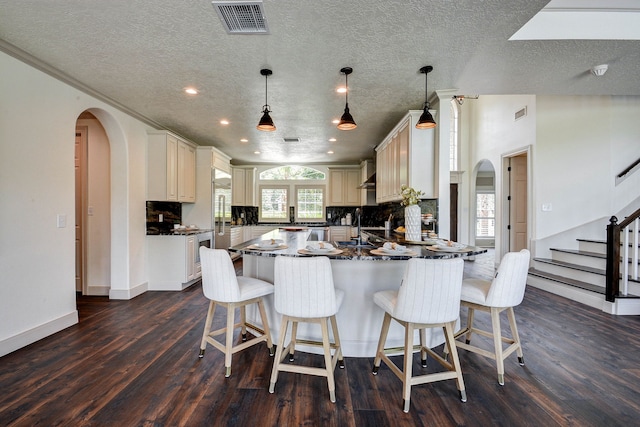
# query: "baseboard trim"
[126,294]
[32,335]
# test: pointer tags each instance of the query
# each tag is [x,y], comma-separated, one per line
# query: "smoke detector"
[242,17]
[599,70]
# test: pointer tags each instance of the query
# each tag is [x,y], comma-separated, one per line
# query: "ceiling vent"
[242,17]
[295,139]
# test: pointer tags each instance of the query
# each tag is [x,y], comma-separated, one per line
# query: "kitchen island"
[360,271]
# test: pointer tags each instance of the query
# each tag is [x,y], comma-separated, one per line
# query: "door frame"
[505,241]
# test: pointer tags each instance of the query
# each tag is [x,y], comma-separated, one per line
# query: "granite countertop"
[178,232]
[297,240]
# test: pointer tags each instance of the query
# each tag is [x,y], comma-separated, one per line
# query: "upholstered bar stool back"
[429,297]
[304,292]
[504,292]
[223,288]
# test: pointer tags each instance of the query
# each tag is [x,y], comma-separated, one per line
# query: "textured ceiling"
[142,53]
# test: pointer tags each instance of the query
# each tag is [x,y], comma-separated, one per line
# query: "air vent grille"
[291,139]
[521,113]
[246,17]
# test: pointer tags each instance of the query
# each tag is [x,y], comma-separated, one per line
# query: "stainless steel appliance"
[221,208]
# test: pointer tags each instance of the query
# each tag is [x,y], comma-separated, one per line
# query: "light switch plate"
[61,220]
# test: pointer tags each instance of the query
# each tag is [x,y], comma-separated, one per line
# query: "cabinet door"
[336,184]
[186,172]
[350,190]
[402,150]
[238,187]
[191,257]
[249,187]
[172,168]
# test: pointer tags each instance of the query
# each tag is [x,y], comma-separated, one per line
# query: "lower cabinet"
[173,262]
[237,235]
[340,233]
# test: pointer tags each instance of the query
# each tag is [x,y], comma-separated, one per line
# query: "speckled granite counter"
[296,240]
[356,271]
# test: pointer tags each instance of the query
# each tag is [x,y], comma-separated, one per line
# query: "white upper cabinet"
[171,168]
[343,187]
[243,187]
[406,157]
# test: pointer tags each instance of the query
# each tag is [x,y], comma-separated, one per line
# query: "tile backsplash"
[171,214]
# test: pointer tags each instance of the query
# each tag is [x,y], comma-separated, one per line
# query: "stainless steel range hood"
[369,183]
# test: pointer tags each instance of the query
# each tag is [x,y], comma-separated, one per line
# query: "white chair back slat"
[304,287]
[219,281]
[430,291]
[509,282]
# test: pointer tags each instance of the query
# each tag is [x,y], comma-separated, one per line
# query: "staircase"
[579,275]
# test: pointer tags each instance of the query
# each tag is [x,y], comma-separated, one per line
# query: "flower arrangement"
[409,196]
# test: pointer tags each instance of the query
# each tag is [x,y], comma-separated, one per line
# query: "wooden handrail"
[628,169]
[612,285]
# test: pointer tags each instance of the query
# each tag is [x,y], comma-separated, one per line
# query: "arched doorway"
[93,206]
[484,218]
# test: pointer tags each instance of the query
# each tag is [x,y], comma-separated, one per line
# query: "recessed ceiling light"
[341,89]
[330,152]
[224,122]
[191,90]
[256,152]
[335,121]
[332,140]
[244,140]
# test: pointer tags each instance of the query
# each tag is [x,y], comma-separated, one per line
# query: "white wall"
[37,259]
[493,132]
[577,144]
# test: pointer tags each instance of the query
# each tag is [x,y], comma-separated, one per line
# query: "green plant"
[409,196]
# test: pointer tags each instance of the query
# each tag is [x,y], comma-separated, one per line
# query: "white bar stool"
[221,285]
[429,297]
[304,292]
[504,292]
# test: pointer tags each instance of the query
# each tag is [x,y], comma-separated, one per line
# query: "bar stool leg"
[383,339]
[207,328]
[497,342]
[408,364]
[516,337]
[336,339]
[265,324]
[229,339]
[327,359]
[455,360]
[279,350]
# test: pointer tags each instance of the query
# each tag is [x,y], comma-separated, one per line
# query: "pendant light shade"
[346,121]
[426,119]
[266,123]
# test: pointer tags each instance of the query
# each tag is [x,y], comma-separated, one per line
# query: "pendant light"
[426,119]
[346,121]
[266,124]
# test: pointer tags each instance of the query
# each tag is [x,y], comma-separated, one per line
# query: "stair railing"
[622,251]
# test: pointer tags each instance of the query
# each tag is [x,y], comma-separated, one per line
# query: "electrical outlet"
[241,214]
[160,218]
[546,207]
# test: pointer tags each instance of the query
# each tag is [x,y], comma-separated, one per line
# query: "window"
[291,172]
[485,215]
[274,203]
[301,187]
[309,203]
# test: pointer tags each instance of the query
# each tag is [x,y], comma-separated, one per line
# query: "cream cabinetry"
[173,264]
[343,187]
[339,233]
[243,187]
[406,157]
[237,235]
[171,168]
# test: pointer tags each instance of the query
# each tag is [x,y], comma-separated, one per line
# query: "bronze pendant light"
[346,121]
[266,124]
[426,119]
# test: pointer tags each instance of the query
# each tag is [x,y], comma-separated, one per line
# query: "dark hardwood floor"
[135,363]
